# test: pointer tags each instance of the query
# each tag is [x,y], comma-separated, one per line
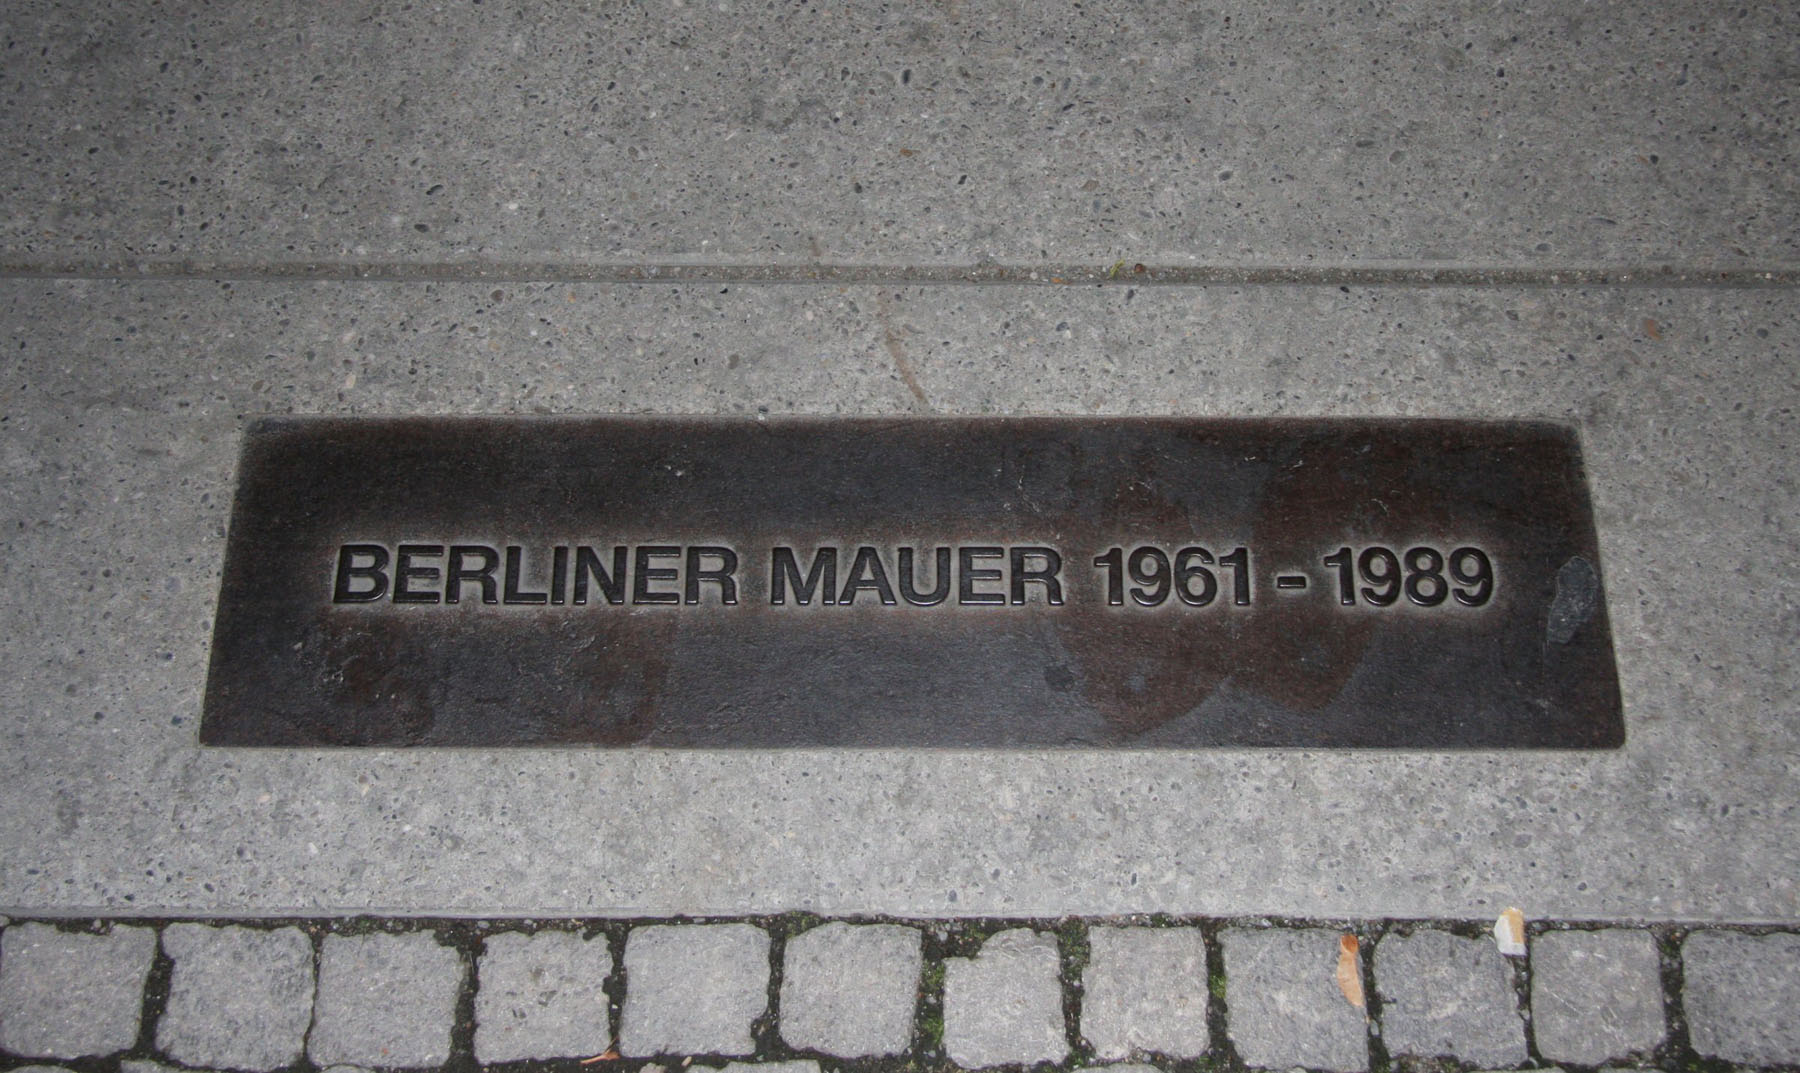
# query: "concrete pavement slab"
[123,408]
[1017,132]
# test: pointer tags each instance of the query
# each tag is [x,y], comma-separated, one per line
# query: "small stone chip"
[1509,933]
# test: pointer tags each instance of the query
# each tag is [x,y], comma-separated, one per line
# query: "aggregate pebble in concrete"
[1283,1007]
[239,998]
[1596,996]
[1741,994]
[693,988]
[1145,990]
[851,990]
[542,996]
[384,1000]
[1445,995]
[1004,1005]
[70,995]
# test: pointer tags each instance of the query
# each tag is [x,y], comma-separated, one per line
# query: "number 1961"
[1187,577]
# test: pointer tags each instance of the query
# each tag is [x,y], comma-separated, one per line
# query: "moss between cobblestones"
[931,1031]
[156,997]
[928,1026]
[1072,945]
[1367,937]
[1074,952]
[1221,1051]
[793,923]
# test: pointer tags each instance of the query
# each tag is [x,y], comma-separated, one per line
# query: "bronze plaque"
[965,582]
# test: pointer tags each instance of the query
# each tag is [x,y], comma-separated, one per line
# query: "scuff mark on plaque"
[1577,594]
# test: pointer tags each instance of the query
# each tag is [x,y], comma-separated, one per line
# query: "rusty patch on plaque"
[961,582]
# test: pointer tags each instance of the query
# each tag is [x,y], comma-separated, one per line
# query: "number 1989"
[1425,575]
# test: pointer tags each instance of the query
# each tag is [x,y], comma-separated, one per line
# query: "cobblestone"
[1004,1006]
[1446,995]
[384,1001]
[1283,1005]
[70,995]
[139,1066]
[542,996]
[802,1066]
[850,990]
[1741,995]
[693,988]
[1145,990]
[239,998]
[1596,996]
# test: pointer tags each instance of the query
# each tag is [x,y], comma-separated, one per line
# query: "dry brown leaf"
[1509,933]
[1349,970]
[1651,328]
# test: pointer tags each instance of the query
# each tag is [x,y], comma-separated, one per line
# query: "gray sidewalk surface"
[1588,213]
[122,432]
[967,994]
[1545,133]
